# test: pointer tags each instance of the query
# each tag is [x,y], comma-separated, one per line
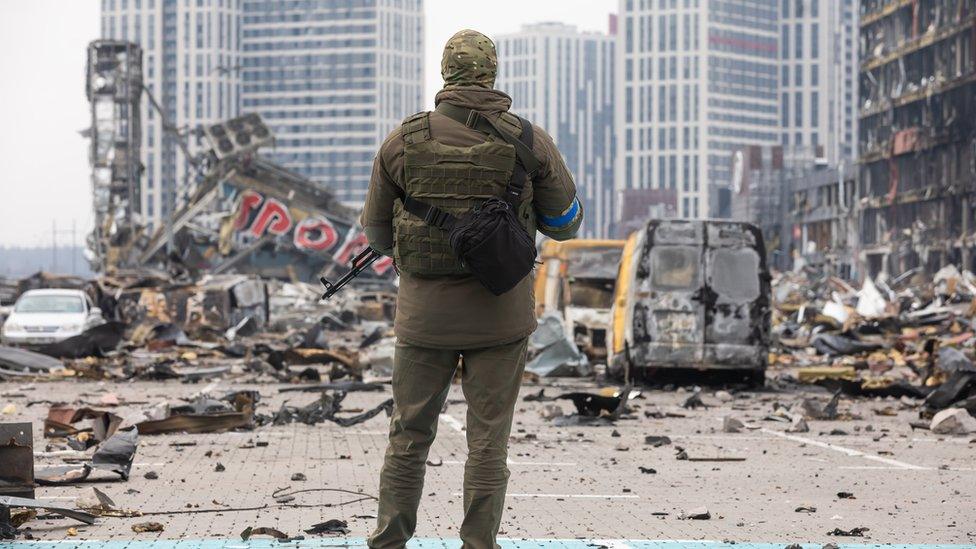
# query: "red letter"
[273,218]
[316,234]
[250,200]
[355,243]
[382,265]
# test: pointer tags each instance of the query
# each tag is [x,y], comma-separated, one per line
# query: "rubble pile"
[910,338]
[222,325]
[217,329]
[907,343]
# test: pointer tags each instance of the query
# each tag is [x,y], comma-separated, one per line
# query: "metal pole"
[965,240]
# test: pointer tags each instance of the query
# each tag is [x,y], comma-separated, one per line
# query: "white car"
[40,317]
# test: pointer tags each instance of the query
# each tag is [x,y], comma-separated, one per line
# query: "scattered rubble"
[910,337]
[953,421]
[853,532]
[329,527]
[887,349]
[698,513]
[657,441]
[732,425]
[554,353]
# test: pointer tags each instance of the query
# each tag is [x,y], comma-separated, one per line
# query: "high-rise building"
[818,80]
[562,79]
[190,66]
[331,78]
[698,80]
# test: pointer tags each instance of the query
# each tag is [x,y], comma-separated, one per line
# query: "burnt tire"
[755,379]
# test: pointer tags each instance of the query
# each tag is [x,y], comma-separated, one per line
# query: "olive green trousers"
[490,379]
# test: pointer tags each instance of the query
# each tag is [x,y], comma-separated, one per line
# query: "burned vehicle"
[576,282]
[691,294]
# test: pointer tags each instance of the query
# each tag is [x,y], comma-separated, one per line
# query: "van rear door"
[734,305]
[668,316]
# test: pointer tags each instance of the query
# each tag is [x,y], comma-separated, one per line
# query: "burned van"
[576,281]
[691,294]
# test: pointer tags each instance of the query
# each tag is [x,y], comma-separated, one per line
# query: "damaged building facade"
[824,221]
[114,90]
[917,140]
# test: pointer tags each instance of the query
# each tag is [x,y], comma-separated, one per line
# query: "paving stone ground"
[577,483]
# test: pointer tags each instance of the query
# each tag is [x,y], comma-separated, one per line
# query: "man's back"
[456,310]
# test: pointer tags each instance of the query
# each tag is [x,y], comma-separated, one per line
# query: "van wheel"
[616,371]
[755,379]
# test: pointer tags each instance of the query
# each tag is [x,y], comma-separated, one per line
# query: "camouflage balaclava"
[469,60]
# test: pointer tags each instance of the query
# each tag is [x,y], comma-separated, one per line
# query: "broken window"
[735,273]
[594,263]
[592,293]
[675,268]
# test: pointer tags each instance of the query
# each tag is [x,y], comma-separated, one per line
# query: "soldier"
[444,314]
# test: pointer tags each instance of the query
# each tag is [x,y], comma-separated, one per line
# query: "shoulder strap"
[477,121]
[416,128]
[520,173]
[432,215]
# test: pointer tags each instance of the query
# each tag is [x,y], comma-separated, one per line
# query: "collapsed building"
[917,140]
[240,213]
[114,89]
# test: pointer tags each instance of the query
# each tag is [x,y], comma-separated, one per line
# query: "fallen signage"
[16,460]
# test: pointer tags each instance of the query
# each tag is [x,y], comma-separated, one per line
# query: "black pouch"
[492,243]
[490,240]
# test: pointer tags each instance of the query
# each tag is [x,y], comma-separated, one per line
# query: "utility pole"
[54,245]
[74,246]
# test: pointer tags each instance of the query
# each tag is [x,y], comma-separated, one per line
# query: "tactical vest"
[454,179]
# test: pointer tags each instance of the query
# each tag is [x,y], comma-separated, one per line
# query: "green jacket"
[456,311]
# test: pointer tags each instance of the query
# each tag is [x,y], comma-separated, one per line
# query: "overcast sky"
[44,177]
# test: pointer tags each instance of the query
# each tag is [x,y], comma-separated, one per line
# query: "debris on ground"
[554,352]
[732,425]
[594,409]
[251,531]
[798,425]
[853,532]
[141,527]
[114,455]
[16,362]
[17,460]
[550,411]
[657,441]
[953,421]
[329,527]
[698,513]
[847,359]
[80,516]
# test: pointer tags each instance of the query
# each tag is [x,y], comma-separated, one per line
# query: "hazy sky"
[44,175]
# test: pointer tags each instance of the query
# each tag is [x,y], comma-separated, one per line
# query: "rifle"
[359,264]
